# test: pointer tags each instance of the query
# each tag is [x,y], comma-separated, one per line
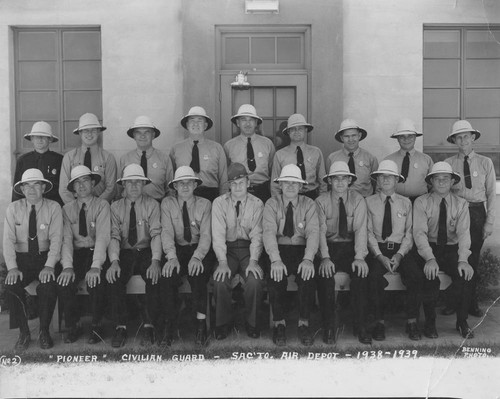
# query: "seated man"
[342,245]
[390,241]
[441,232]
[237,243]
[85,241]
[32,247]
[291,235]
[186,237]
[135,248]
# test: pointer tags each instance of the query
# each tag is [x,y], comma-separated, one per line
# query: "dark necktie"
[32,233]
[387,223]
[82,221]
[238,203]
[342,219]
[352,169]
[406,165]
[442,237]
[300,163]
[144,163]
[195,157]
[468,182]
[250,155]
[132,226]
[185,221]
[87,160]
[288,229]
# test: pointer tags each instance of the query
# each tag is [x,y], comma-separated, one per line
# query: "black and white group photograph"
[250,198]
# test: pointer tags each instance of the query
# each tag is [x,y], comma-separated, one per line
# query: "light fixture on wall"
[262,6]
[241,82]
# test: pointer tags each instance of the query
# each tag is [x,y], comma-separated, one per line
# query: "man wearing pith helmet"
[237,243]
[342,248]
[206,157]
[441,225]
[42,158]
[253,150]
[135,248]
[413,165]
[291,235]
[478,186]
[86,238]
[93,156]
[186,237]
[307,157]
[390,241]
[32,249]
[360,162]
[156,164]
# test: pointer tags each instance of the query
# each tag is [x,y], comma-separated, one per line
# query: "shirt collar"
[403,152]
[355,152]
[149,152]
[462,156]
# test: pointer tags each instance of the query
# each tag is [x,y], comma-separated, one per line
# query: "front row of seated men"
[340,231]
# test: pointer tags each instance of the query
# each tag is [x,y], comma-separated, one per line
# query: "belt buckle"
[390,245]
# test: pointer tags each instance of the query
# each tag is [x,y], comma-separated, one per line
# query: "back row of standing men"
[255,167]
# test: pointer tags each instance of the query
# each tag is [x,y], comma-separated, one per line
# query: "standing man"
[414,165]
[155,163]
[361,163]
[206,157]
[478,186]
[252,150]
[32,248]
[41,158]
[390,241]
[135,248]
[307,157]
[291,236]
[90,154]
[342,247]
[441,224]
[86,238]
[237,243]
[186,237]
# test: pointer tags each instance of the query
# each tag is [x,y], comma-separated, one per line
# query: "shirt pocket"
[43,230]
[300,228]
[143,231]
[400,222]
[331,225]
[452,225]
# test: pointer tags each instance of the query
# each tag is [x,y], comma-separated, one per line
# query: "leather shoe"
[447,311]
[279,335]
[413,332]
[148,336]
[363,336]
[201,333]
[45,340]
[119,338]
[220,332]
[476,311]
[23,341]
[378,333]
[168,337]
[305,335]
[252,332]
[430,330]
[329,336]
[95,335]
[464,329]
[72,335]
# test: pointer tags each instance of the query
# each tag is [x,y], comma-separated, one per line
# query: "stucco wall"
[383,42]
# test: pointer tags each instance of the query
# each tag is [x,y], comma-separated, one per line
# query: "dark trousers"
[31,266]
[210,193]
[459,291]
[261,191]
[291,256]
[82,260]
[477,222]
[169,286]
[412,277]
[238,257]
[342,256]
[134,261]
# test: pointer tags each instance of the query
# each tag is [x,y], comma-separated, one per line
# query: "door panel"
[274,96]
